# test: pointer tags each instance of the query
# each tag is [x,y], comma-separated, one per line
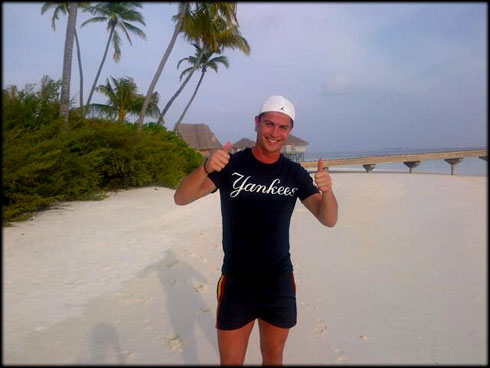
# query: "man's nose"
[275,131]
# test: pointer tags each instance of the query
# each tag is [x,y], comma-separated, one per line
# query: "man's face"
[272,131]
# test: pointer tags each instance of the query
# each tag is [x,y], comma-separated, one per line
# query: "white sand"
[131,279]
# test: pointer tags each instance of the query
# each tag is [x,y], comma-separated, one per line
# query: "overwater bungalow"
[294,148]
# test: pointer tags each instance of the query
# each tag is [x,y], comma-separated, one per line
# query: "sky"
[362,76]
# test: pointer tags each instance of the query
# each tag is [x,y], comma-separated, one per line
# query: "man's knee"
[273,347]
[272,351]
[231,360]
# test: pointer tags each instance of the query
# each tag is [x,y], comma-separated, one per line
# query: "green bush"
[42,166]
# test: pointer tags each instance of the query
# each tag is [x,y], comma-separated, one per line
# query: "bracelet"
[204,166]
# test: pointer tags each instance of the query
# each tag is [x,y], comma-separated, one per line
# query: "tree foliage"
[205,60]
[119,17]
[123,99]
[42,166]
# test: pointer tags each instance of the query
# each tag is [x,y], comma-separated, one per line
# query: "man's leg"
[233,344]
[272,341]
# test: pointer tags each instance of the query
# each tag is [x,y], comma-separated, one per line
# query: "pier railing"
[411,160]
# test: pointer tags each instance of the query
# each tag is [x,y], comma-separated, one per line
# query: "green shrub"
[42,166]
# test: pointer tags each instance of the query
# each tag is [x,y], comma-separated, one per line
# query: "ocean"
[470,166]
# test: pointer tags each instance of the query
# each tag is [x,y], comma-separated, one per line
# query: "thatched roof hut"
[199,137]
[242,144]
[295,141]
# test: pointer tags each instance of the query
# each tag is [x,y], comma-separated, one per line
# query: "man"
[258,191]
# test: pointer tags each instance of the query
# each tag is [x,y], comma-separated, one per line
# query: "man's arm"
[197,184]
[323,206]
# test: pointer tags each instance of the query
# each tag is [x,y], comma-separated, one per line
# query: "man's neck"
[265,157]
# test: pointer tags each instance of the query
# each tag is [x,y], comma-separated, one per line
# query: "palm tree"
[215,29]
[123,100]
[67,56]
[118,17]
[214,24]
[182,16]
[205,63]
[63,8]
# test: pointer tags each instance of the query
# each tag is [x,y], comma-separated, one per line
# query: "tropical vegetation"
[123,100]
[206,61]
[118,17]
[64,9]
[54,151]
[42,166]
[215,25]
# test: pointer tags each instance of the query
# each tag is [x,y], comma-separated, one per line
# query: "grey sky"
[361,75]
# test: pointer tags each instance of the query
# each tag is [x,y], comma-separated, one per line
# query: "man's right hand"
[219,159]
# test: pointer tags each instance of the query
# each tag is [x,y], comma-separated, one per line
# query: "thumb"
[320,165]
[227,146]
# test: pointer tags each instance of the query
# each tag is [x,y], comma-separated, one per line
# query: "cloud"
[338,84]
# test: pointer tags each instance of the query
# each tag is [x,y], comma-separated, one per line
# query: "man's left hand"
[322,178]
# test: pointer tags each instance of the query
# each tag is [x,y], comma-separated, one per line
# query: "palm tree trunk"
[167,106]
[67,59]
[192,98]
[81,72]
[101,64]
[165,57]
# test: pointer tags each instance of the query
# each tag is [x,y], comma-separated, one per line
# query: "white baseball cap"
[278,104]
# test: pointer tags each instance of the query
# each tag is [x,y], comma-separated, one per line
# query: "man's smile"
[271,140]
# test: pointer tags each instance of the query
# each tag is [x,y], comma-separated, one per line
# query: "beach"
[131,279]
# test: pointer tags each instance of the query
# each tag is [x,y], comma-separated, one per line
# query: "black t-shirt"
[257,201]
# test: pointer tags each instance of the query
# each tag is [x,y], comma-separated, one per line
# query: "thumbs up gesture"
[219,159]
[322,178]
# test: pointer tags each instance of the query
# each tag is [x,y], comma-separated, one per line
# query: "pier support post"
[453,162]
[369,167]
[411,165]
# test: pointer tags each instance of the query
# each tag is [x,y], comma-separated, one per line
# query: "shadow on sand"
[185,305]
[104,345]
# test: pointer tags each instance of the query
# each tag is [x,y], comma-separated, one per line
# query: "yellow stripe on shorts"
[220,286]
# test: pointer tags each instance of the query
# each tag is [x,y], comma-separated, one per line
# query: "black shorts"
[242,300]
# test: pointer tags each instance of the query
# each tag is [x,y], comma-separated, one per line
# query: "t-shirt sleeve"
[217,178]
[306,185]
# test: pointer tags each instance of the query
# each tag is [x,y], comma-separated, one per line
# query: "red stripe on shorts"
[294,283]
[219,294]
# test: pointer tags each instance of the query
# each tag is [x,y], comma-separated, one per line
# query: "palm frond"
[116,43]
[47,5]
[182,60]
[102,110]
[220,60]
[132,15]
[187,71]
[120,25]
[135,30]
[58,7]
[94,20]
[152,110]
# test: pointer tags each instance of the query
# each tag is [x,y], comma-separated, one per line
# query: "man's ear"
[257,122]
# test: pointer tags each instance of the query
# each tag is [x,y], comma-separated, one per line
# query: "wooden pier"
[411,160]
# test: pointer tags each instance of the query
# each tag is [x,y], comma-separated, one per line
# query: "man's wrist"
[326,192]
[204,166]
